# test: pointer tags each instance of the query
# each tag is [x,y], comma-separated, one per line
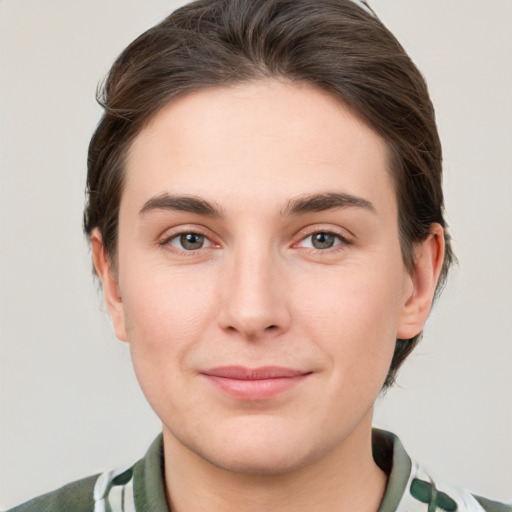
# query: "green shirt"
[141,487]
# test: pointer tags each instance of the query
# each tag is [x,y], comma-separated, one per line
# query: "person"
[265,214]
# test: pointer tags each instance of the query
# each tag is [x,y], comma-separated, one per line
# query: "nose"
[253,299]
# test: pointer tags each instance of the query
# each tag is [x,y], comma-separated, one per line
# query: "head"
[265,214]
[333,45]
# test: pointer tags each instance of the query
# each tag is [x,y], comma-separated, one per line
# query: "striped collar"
[409,488]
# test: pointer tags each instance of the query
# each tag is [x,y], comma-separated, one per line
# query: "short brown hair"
[332,44]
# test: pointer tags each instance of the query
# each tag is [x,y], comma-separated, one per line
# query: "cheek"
[353,315]
[166,314]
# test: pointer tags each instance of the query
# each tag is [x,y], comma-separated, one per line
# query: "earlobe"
[110,285]
[429,257]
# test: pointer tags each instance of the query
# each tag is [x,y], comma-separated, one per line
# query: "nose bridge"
[253,303]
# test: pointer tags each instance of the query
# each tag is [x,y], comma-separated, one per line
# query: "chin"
[258,451]
[252,460]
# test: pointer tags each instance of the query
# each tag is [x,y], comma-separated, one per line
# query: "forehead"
[258,139]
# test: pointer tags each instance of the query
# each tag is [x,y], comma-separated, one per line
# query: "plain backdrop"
[70,405]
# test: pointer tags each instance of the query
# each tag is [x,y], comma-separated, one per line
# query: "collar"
[409,488]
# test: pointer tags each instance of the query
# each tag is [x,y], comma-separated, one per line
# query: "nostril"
[271,328]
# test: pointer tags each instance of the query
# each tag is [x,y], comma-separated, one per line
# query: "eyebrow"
[312,203]
[309,203]
[191,204]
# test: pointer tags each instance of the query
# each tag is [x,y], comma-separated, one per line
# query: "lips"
[254,383]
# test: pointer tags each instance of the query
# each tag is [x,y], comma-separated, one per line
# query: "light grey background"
[70,405]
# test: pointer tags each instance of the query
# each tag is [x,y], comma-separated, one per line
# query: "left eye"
[321,240]
[189,241]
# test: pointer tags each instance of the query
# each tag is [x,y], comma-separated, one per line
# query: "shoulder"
[140,487]
[412,488]
[493,506]
[439,495]
[77,497]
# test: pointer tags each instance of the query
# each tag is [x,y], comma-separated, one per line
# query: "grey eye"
[190,241]
[323,240]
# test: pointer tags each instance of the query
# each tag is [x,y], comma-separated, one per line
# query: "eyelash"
[167,242]
[342,241]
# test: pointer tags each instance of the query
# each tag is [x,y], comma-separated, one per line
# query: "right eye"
[321,240]
[189,241]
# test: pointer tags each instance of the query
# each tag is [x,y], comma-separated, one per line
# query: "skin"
[261,292]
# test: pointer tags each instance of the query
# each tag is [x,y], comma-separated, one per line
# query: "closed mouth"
[250,384]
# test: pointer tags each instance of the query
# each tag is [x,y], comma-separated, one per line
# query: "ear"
[428,262]
[110,285]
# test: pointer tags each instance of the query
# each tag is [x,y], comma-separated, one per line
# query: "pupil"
[323,240]
[191,241]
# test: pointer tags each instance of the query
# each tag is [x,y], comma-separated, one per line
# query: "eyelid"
[343,234]
[177,238]
[173,233]
[344,240]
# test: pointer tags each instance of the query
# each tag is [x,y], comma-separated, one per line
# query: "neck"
[345,478]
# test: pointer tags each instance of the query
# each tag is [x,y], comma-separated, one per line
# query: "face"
[259,277]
